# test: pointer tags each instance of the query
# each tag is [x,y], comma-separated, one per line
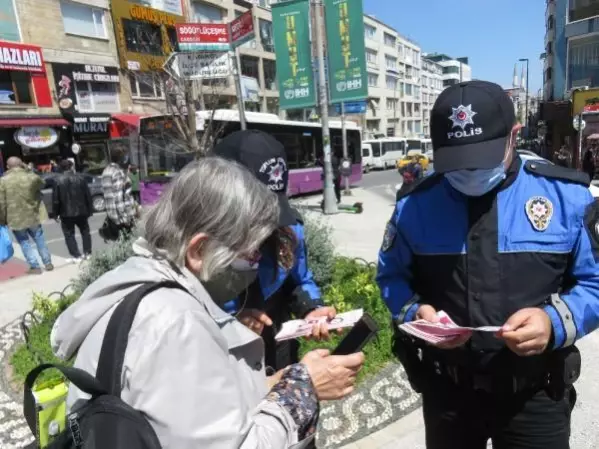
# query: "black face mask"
[229,284]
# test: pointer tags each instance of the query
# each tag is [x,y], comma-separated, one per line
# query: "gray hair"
[221,199]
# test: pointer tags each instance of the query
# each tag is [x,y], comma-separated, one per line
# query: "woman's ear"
[193,255]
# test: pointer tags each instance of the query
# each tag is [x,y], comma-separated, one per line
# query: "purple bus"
[302,141]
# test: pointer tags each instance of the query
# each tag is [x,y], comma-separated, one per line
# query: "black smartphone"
[358,336]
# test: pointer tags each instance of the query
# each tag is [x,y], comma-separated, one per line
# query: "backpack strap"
[116,337]
[81,379]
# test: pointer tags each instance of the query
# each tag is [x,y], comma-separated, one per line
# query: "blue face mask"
[476,182]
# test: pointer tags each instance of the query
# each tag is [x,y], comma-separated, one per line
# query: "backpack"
[104,421]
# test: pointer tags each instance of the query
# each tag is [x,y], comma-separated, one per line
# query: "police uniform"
[532,241]
[281,293]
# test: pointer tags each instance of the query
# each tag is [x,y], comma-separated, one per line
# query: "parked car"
[95,187]
[413,156]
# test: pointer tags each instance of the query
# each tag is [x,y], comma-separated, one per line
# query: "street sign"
[578,123]
[353,107]
[200,36]
[242,29]
[199,65]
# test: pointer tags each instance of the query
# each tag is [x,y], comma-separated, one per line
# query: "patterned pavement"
[378,402]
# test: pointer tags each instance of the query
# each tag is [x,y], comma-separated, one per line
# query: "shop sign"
[242,29]
[199,36]
[36,137]
[199,65]
[65,76]
[19,57]
[84,125]
[585,101]
[151,15]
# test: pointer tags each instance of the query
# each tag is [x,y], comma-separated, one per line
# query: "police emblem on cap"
[539,211]
[389,237]
[462,116]
[274,169]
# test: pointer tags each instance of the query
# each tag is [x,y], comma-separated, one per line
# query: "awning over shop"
[37,121]
[128,119]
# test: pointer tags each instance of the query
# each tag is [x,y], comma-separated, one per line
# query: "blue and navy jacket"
[304,293]
[533,242]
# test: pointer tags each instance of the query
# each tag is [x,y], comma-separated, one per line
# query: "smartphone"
[358,336]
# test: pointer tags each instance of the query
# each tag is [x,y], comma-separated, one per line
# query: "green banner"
[291,32]
[348,79]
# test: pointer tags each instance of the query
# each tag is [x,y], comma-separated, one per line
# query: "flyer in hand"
[302,328]
[445,330]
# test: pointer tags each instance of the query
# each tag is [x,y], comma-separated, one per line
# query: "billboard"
[291,31]
[348,79]
[198,36]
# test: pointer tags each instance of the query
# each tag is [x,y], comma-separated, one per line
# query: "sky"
[494,34]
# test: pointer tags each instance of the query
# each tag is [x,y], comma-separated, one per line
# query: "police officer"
[493,241]
[285,286]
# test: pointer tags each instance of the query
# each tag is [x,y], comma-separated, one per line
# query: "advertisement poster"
[348,78]
[291,30]
[198,36]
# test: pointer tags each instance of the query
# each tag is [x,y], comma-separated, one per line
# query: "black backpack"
[104,421]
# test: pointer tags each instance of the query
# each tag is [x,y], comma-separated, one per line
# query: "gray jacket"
[192,369]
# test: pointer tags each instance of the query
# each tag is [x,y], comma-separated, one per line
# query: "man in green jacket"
[20,198]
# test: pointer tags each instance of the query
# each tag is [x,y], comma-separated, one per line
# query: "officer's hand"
[254,319]
[428,313]
[527,332]
[320,331]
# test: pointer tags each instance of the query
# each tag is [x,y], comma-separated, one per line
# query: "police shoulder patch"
[557,172]
[389,237]
[539,211]
[591,224]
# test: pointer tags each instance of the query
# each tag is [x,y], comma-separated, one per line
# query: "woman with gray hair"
[194,371]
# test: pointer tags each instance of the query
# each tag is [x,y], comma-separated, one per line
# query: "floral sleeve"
[295,393]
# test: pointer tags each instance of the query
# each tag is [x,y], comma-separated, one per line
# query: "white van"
[427,148]
[371,156]
[391,149]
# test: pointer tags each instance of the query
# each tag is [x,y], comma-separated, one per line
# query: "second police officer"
[285,286]
[493,241]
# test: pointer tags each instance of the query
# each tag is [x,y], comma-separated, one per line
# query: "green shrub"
[104,261]
[353,287]
[320,248]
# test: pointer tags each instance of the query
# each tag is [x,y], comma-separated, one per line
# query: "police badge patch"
[389,237]
[539,211]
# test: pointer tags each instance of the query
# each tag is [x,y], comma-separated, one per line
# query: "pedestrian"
[121,210]
[493,241]
[563,157]
[285,284]
[72,205]
[588,163]
[134,178]
[336,163]
[20,200]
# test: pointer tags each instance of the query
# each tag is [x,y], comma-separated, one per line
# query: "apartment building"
[455,70]
[394,96]
[432,86]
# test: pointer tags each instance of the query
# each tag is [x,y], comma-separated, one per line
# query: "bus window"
[413,145]
[376,149]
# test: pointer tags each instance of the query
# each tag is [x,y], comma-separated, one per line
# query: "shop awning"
[593,137]
[37,121]
[128,119]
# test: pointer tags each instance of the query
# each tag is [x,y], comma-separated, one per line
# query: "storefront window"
[97,97]
[143,37]
[15,87]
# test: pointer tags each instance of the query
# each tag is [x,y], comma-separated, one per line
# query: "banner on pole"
[291,30]
[242,29]
[348,79]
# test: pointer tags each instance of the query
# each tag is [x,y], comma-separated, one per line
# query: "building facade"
[432,86]
[394,90]
[455,70]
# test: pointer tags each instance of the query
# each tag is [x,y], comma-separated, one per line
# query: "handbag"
[109,230]
[6,248]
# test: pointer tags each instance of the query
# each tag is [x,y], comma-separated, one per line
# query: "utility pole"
[347,191]
[235,60]
[526,100]
[330,200]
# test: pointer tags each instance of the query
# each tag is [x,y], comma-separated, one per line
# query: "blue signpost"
[353,107]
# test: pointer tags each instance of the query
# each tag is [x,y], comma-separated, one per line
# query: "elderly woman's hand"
[254,319]
[333,376]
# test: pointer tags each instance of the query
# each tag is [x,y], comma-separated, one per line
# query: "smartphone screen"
[358,336]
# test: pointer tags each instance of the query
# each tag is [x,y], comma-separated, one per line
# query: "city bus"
[302,142]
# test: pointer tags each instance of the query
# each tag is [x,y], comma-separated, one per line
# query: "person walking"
[134,179]
[20,199]
[72,205]
[492,241]
[588,163]
[336,163]
[121,210]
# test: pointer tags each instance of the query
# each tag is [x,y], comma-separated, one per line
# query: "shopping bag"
[6,249]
